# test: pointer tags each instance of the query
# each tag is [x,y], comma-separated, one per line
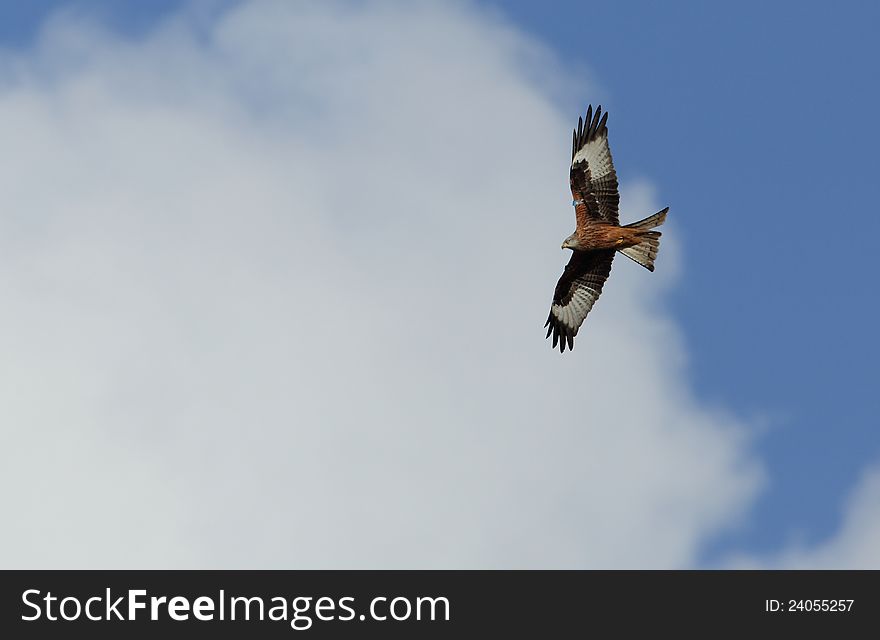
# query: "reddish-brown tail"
[646,250]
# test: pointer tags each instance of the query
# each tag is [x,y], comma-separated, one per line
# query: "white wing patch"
[597,155]
[573,313]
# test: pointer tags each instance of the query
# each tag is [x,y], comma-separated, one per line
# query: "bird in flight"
[598,234]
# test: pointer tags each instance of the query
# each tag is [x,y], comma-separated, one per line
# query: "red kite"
[598,234]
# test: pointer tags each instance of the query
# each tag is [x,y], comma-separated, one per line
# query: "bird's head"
[571,242]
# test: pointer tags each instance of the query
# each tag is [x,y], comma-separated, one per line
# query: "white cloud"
[273,291]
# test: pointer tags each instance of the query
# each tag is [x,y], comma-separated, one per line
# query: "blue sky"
[757,125]
[773,179]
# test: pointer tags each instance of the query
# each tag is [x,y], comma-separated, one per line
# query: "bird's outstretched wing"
[576,292]
[592,175]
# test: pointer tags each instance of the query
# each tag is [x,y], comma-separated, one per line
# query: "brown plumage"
[598,234]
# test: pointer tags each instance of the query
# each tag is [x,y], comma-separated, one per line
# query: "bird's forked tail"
[645,251]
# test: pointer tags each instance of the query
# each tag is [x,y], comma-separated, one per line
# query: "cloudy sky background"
[273,279]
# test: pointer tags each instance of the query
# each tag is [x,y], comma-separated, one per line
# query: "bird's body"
[601,235]
[598,234]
